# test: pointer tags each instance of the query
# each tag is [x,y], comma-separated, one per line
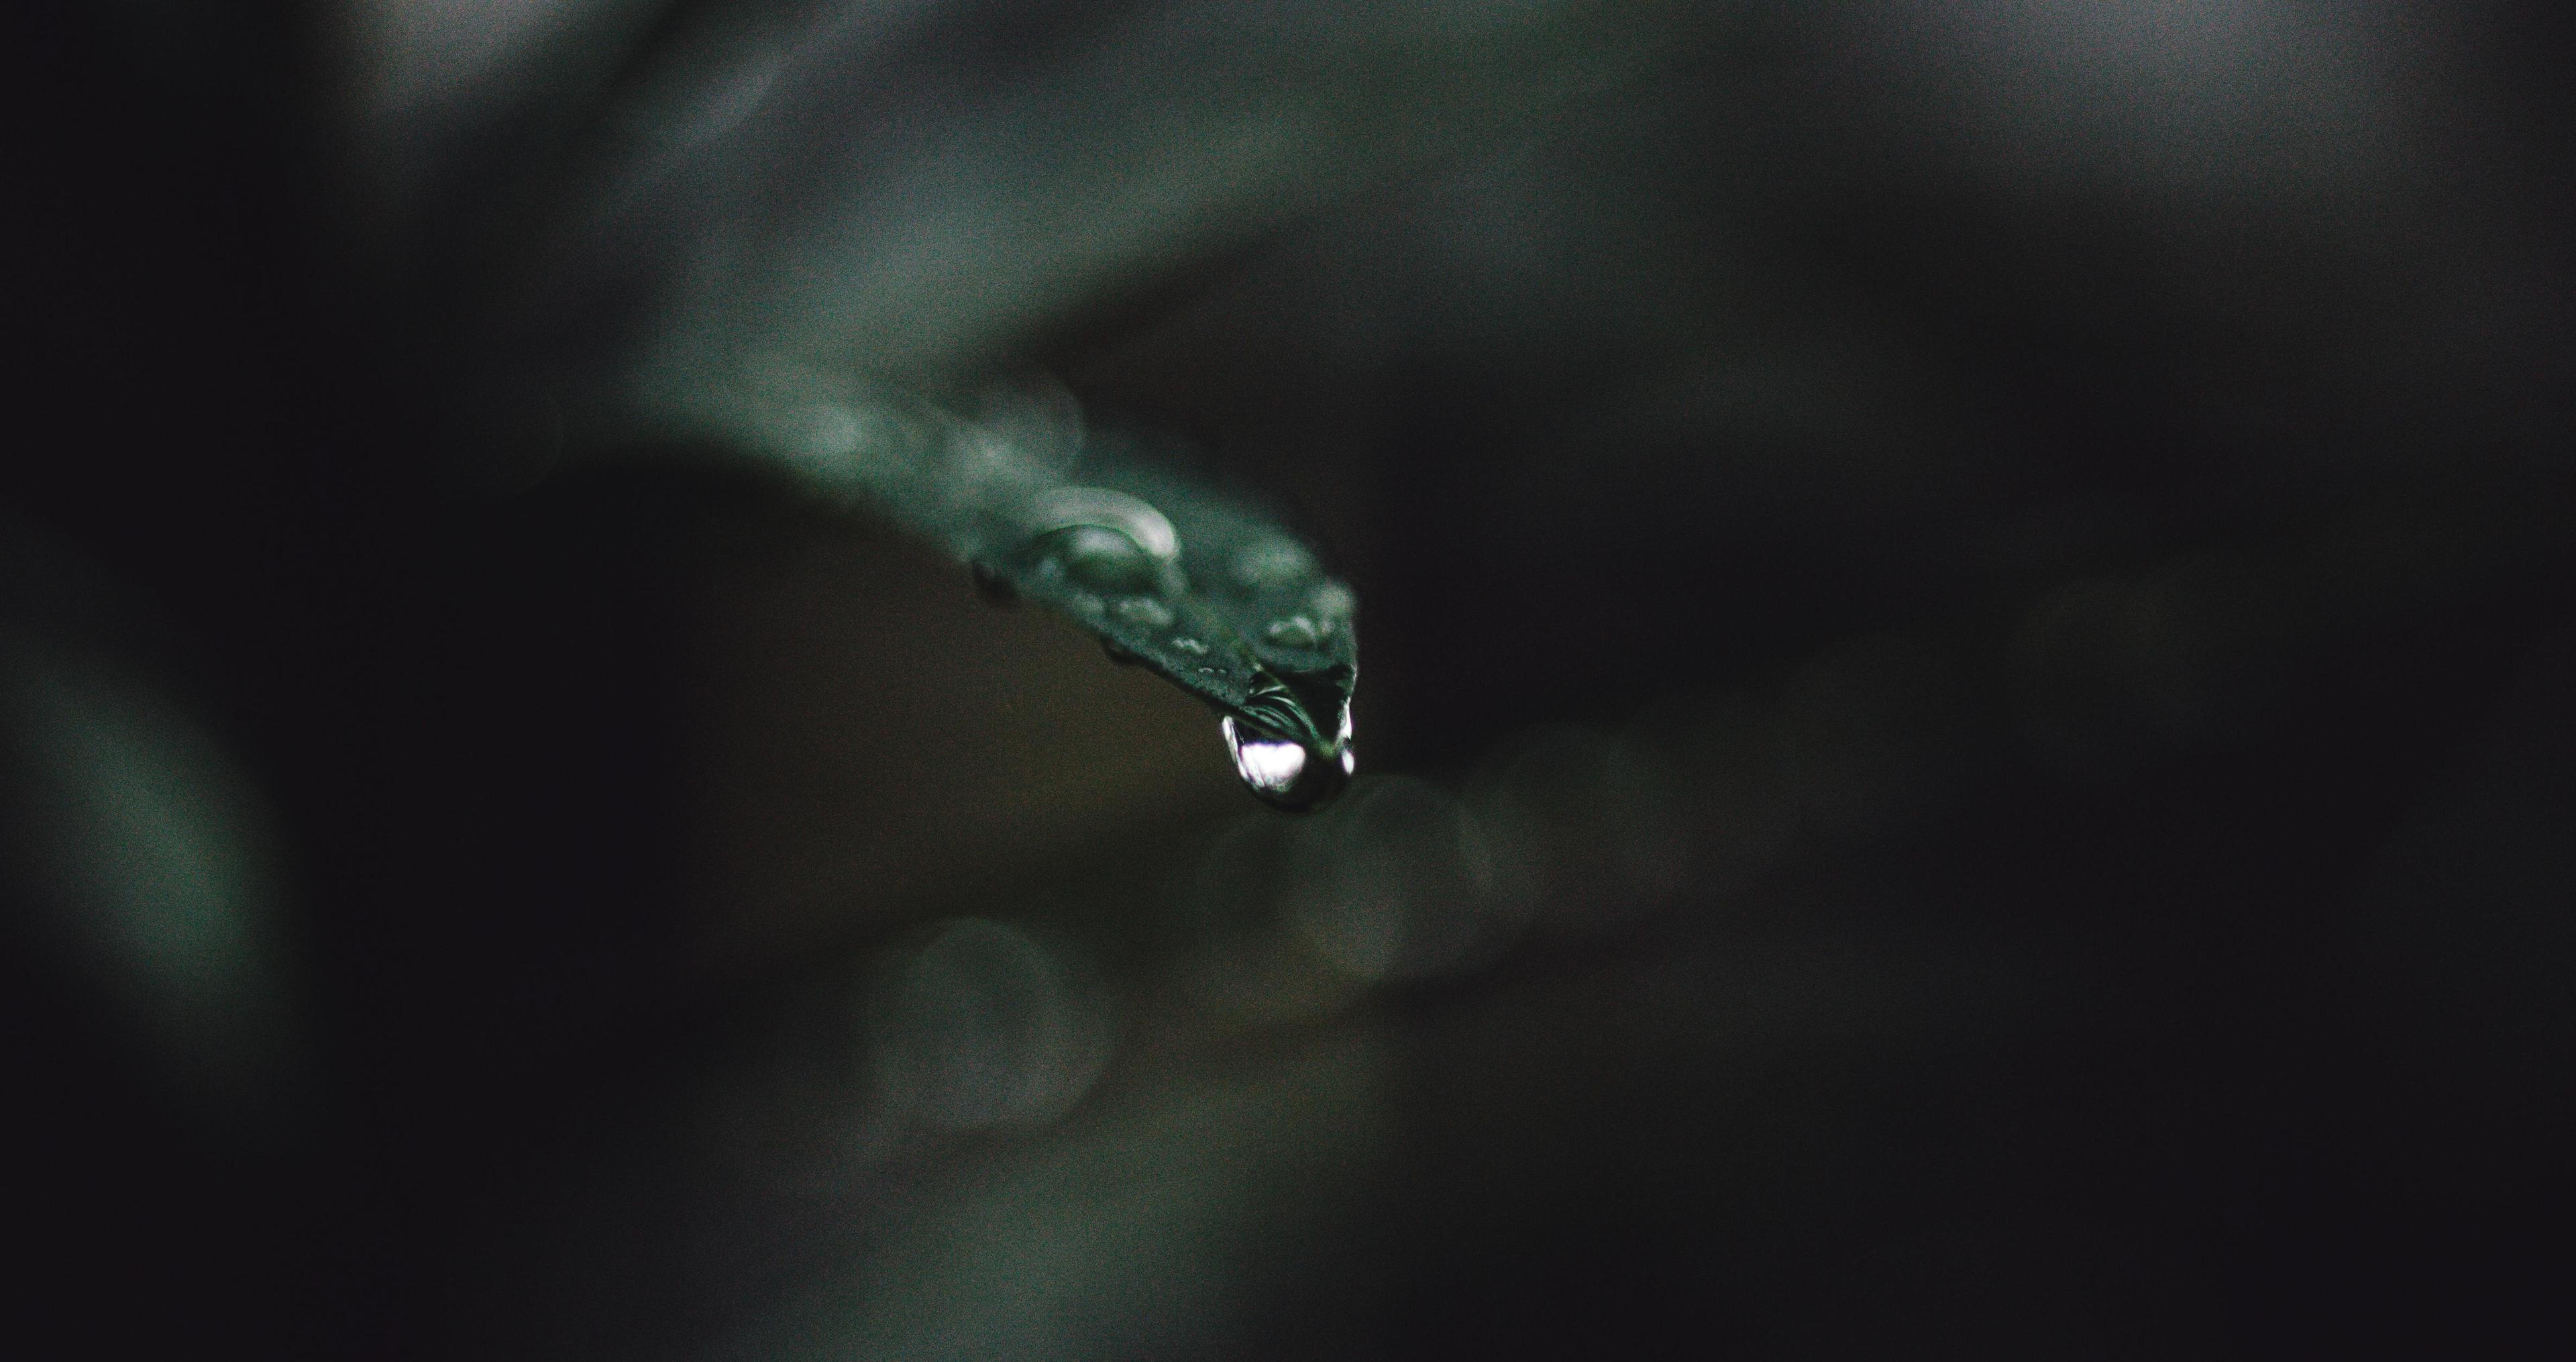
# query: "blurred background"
[1964,725]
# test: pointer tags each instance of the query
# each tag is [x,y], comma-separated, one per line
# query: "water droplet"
[1109,534]
[1296,631]
[1144,612]
[1273,562]
[1282,773]
[1105,559]
[1187,644]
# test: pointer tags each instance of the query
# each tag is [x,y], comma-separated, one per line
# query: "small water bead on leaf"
[1186,644]
[1144,612]
[1106,540]
[1062,508]
[1272,563]
[1104,559]
[1297,631]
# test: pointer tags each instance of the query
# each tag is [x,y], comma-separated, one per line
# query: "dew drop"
[1105,559]
[1297,631]
[1284,774]
[1144,612]
[1275,562]
[1187,644]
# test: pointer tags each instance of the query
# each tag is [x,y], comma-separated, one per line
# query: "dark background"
[1966,685]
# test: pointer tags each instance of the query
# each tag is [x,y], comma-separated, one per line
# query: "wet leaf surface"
[1191,582]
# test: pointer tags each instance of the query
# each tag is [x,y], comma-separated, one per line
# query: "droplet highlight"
[1144,612]
[1272,563]
[1104,559]
[1296,631]
[1282,773]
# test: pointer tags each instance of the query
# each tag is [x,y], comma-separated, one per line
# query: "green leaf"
[1168,572]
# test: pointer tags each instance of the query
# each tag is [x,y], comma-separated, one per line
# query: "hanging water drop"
[1282,773]
[1240,615]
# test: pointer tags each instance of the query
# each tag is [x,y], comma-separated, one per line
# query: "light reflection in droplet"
[1267,765]
[1296,631]
[1104,559]
[1135,520]
[1283,773]
[1271,563]
[1144,612]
